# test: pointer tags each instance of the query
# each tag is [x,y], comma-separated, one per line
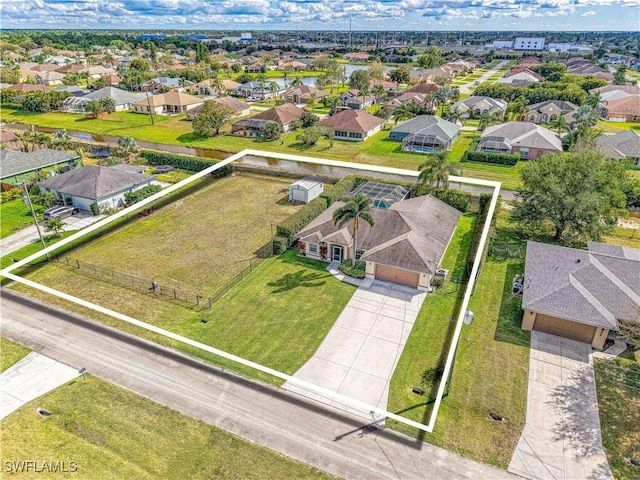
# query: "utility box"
[468,317]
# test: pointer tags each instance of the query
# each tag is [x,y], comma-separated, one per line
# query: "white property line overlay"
[6,272]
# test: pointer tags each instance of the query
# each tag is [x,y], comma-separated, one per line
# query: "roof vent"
[578,261]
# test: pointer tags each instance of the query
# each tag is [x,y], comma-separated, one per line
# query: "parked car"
[61,211]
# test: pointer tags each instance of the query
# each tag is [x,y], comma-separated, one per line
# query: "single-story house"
[425,134]
[529,139]
[94,184]
[305,189]
[624,109]
[18,166]
[357,56]
[98,71]
[623,145]
[302,94]
[241,108]
[352,99]
[409,98]
[258,91]
[27,87]
[283,115]
[405,246]
[479,105]
[520,76]
[170,103]
[208,88]
[165,84]
[353,125]
[50,78]
[549,111]
[424,88]
[123,99]
[580,294]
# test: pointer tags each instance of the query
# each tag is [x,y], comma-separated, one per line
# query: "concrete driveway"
[561,439]
[358,356]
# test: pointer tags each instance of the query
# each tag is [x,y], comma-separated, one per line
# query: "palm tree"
[379,91]
[33,137]
[273,88]
[56,226]
[60,140]
[517,109]
[487,119]
[455,116]
[560,125]
[354,209]
[312,102]
[296,82]
[402,112]
[216,84]
[437,170]
[126,148]
[585,117]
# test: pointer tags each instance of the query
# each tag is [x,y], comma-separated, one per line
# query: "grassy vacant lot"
[490,371]
[618,387]
[14,215]
[10,353]
[199,242]
[613,127]
[111,433]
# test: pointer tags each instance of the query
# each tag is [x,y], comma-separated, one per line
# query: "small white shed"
[305,189]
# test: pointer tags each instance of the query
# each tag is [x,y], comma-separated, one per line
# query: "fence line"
[154,287]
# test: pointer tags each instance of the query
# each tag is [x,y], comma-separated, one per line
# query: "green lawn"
[32,248]
[490,370]
[112,433]
[11,353]
[618,388]
[614,127]
[15,215]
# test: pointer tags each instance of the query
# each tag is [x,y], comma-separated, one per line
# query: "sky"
[394,15]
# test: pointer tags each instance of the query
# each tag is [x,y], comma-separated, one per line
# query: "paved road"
[297,427]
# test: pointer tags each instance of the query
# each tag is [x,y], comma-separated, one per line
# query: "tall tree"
[584,118]
[211,118]
[436,170]
[560,125]
[355,209]
[60,140]
[402,112]
[55,226]
[126,148]
[574,197]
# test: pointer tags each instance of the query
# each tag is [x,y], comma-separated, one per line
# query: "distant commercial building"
[529,43]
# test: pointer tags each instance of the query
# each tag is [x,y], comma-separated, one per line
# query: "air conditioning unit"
[441,272]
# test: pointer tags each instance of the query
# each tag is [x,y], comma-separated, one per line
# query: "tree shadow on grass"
[508,326]
[301,278]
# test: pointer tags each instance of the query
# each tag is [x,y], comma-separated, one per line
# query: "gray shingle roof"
[595,287]
[412,234]
[121,97]
[95,182]
[429,125]
[14,163]
[524,134]
[623,144]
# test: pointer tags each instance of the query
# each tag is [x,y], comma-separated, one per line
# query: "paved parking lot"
[360,353]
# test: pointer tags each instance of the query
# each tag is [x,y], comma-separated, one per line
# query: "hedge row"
[315,207]
[458,199]
[183,162]
[489,157]
[142,193]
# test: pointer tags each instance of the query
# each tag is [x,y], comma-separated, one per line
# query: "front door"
[336,253]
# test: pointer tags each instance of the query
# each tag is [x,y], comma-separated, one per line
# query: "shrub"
[488,157]
[11,194]
[309,137]
[280,244]
[483,204]
[183,162]
[357,271]
[272,131]
[456,198]
[142,193]
[95,209]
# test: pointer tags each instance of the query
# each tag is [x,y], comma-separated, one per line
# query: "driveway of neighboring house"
[359,354]
[561,439]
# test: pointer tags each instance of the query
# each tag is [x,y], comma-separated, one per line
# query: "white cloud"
[588,14]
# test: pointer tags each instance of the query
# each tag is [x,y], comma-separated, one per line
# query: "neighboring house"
[98,71]
[353,125]
[165,84]
[580,294]
[283,115]
[93,184]
[241,108]
[50,78]
[295,66]
[302,94]
[123,99]
[424,88]
[623,145]
[18,166]
[258,91]
[352,99]
[207,88]
[520,76]
[305,189]
[73,68]
[549,111]
[407,98]
[26,88]
[170,103]
[425,134]
[405,246]
[479,105]
[624,109]
[74,90]
[529,139]
[628,89]
[357,57]
[429,75]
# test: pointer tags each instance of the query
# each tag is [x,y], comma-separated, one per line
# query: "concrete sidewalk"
[360,353]
[30,378]
[561,439]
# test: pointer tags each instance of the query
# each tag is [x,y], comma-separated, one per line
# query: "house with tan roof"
[476,106]
[425,88]
[623,109]
[405,246]
[357,56]
[580,294]
[240,108]
[283,115]
[549,111]
[27,87]
[170,103]
[528,139]
[519,76]
[353,125]
[50,78]
[302,94]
